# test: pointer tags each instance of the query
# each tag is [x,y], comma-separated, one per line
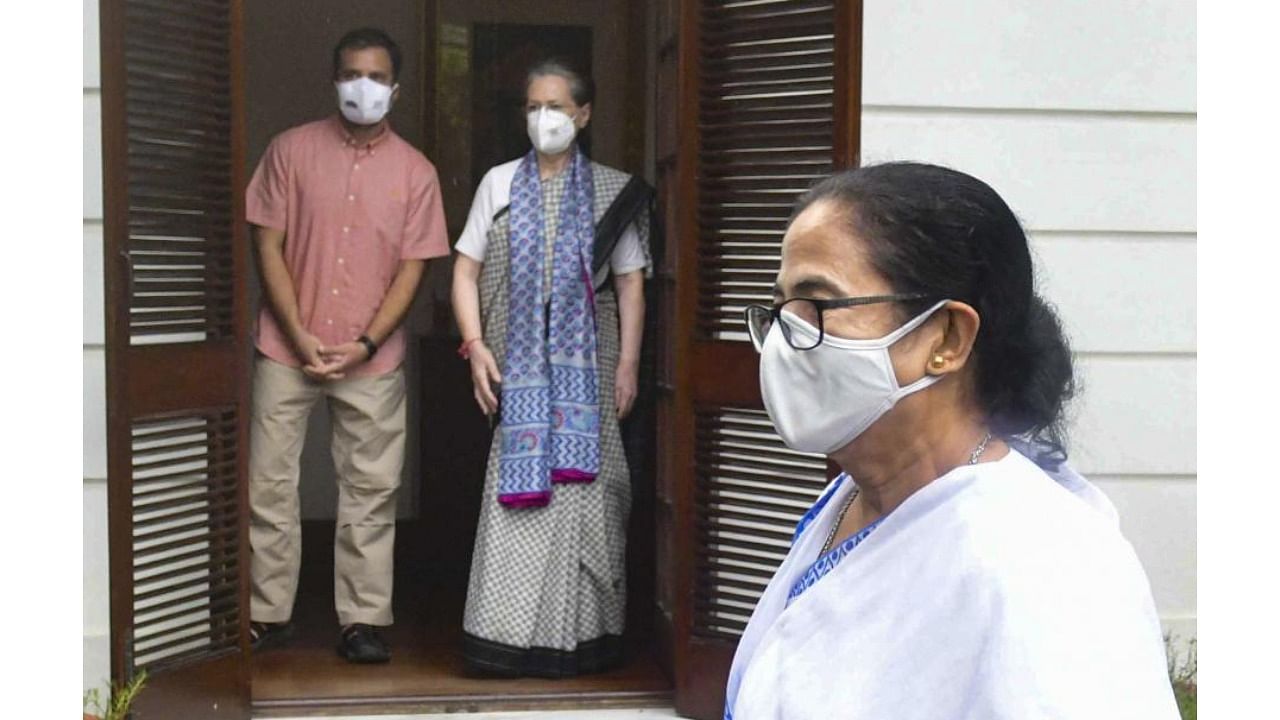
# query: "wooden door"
[756,101]
[177,358]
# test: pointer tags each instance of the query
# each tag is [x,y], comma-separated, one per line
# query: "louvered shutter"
[769,101]
[177,360]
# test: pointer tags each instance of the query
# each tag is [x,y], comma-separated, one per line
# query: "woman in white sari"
[958,568]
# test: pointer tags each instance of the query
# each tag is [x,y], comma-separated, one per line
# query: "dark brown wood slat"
[197,33]
[712,579]
[209,482]
[188,136]
[781,77]
[760,135]
[730,592]
[744,30]
[148,73]
[766,92]
[762,54]
[137,330]
[209,509]
[704,627]
[168,321]
[214,286]
[213,580]
[208,11]
[728,12]
[162,174]
[147,64]
[720,68]
[770,560]
[140,538]
[205,552]
[197,155]
[224,536]
[223,641]
[214,620]
[184,245]
[145,317]
[220,611]
[806,108]
[708,525]
[714,567]
[208,498]
[209,569]
[147,115]
[201,301]
[151,104]
[755,466]
[216,595]
[150,57]
[719,499]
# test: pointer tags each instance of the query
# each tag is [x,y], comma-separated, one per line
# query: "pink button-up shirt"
[350,214]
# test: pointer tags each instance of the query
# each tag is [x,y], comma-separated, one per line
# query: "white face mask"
[823,398]
[364,101]
[551,131]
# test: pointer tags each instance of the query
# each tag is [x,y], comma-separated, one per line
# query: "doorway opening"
[462,87]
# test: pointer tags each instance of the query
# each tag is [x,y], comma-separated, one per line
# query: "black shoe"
[360,643]
[263,636]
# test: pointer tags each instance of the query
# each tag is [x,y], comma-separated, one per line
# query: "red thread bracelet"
[464,350]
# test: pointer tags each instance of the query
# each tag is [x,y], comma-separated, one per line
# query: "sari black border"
[487,657]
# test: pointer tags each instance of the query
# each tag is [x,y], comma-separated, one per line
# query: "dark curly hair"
[944,234]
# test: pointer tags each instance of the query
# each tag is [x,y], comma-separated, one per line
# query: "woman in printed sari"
[548,294]
[958,568]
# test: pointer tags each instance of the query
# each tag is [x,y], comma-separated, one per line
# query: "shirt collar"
[347,139]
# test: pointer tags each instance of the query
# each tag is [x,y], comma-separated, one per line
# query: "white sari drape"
[990,593]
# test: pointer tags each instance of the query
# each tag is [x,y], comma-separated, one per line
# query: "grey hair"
[581,87]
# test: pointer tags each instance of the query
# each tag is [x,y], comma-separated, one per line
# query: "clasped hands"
[322,363]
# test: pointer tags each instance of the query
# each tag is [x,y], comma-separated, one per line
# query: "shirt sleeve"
[475,236]
[627,255]
[267,197]
[425,234]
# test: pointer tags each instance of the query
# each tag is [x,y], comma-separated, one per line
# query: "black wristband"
[368,344]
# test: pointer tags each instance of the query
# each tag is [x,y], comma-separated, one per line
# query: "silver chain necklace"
[831,536]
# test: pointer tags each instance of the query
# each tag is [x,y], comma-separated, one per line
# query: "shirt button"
[335,291]
[346,229]
[341,261]
[351,197]
[357,166]
[329,321]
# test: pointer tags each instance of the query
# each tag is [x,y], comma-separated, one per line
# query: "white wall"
[96,608]
[1083,116]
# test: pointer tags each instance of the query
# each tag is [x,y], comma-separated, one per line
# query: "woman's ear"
[584,116]
[952,349]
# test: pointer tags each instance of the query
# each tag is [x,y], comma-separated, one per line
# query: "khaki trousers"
[368,416]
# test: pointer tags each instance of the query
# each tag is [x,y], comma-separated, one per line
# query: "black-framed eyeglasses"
[760,318]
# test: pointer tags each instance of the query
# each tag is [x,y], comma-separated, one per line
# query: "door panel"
[177,324]
[767,101]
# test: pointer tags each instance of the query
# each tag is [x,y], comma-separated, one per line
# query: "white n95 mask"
[364,101]
[551,131]
[823,398]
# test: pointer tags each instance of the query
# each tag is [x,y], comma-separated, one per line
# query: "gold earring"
[937,362]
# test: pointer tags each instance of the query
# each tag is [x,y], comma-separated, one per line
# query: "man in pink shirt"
[345,215]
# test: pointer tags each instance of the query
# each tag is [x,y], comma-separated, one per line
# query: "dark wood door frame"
[172,179]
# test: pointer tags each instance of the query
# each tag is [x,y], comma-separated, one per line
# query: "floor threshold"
[471,703]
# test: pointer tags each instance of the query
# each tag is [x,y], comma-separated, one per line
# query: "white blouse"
[494,194]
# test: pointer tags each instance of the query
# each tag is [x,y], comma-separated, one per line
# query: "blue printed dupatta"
[550,425]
